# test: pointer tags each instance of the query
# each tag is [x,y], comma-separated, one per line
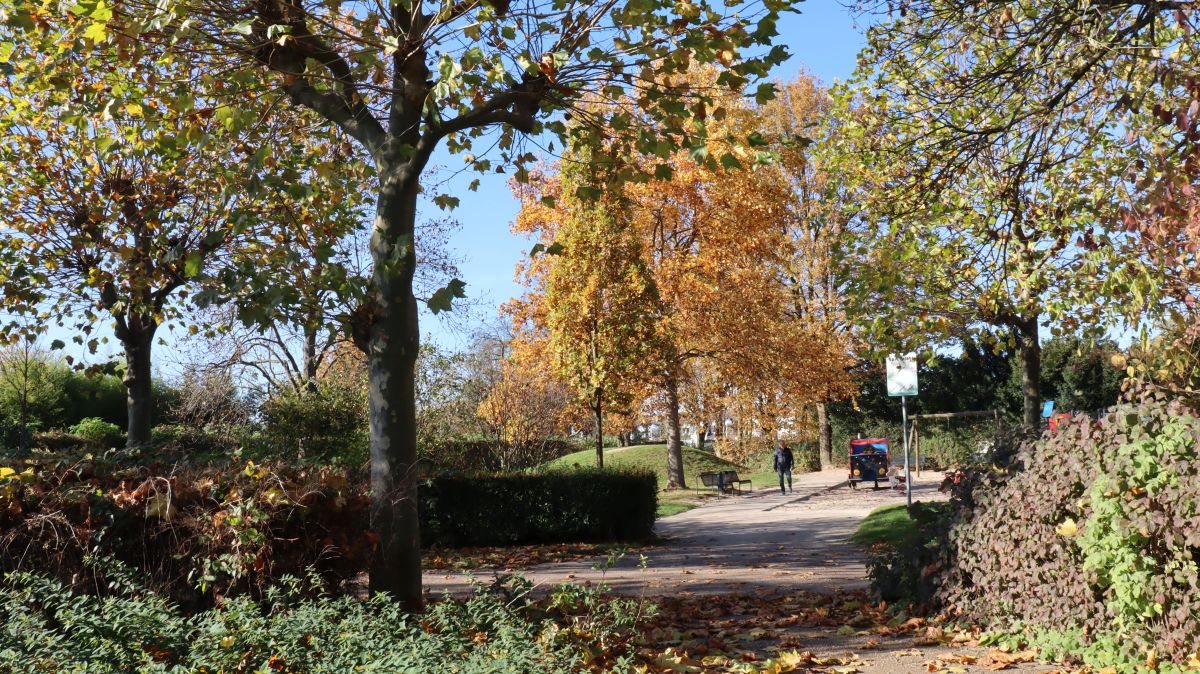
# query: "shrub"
[198,444]
[1094,530]
[194,534]
[808,456]
[466,455]
[548,507]
[328,425]
[49,629]
[99,431]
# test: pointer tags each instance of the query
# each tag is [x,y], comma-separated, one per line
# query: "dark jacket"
[784,460]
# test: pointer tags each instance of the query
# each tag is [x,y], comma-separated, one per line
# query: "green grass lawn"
[888,524]
[654,458]
[892,525]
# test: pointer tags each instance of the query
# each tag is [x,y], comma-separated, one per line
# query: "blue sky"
[823,40]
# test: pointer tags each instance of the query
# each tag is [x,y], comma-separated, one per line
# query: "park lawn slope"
[654,459]
[893,525]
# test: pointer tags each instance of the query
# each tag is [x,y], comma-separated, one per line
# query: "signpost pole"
[902,382]
[904,432]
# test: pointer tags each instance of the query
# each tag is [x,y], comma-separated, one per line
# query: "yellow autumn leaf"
[1068,528]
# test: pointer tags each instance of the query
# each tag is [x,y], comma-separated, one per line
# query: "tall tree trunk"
[701,434]
[675,478]
[392,346]
[1031,374]
[311,362]
[824,436]
[139,390]
[598,409]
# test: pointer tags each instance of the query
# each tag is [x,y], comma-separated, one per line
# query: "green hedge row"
[548,507]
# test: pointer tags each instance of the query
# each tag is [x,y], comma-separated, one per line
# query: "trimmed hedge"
[547,507]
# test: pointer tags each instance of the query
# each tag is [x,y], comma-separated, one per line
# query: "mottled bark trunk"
[139,389]
[598,410]
[824,436]
[675,478]
[701,434]
[1031,375]
[392,358]
[311,359]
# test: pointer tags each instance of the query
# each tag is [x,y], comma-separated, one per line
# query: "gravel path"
[755,542]
[762,544]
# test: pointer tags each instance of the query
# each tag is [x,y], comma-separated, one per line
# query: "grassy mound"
[652,458]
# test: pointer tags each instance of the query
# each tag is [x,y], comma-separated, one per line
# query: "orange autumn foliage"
[715,248]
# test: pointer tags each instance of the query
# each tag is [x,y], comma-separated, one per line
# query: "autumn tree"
[1032,135]
[591,303]
[711,237]
[526,408]
[26,378]
[798,123]
[121,191]
[406,78]
[712,242]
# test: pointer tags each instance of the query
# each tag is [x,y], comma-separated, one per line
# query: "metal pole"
[904,432]
[915,434]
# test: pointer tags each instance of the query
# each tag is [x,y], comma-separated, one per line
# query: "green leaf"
[192,265]
[765,93]
[443,298]
[244,27]
[57,344]
[588,193]
[446,202]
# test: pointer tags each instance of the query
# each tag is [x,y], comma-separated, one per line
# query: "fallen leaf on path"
[996,659]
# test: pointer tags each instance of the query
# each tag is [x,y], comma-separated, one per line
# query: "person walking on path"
[784,460]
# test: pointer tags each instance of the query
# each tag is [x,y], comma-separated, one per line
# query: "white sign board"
[902,375]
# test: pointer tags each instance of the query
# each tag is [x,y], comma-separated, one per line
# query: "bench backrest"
[731,475]
[709,479]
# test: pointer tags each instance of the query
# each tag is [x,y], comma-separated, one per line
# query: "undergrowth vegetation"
[200,533]
[1085,544]
[48,628]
